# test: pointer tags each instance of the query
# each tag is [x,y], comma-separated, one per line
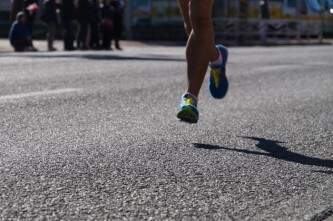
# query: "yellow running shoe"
[188,109]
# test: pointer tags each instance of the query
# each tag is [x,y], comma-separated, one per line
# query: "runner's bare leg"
[185,10]
[200,47]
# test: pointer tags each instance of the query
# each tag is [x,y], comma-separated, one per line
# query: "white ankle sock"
[218,61]
[191,95]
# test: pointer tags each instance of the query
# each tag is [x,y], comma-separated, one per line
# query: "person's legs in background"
[30,25]
[118,29]
[51,27]
[22,44]
[94,41]
[19,45]
[68,36]
[107,38]
[82,36]
[117,42]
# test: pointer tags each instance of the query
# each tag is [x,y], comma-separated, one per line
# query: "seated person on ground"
[19,35]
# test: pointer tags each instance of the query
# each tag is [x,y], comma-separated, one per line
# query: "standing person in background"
[67,17]
[31,7]
[94,24]
[49,16]
[107,24]
[83,16]
[17,6]
[264,9]
[118,18]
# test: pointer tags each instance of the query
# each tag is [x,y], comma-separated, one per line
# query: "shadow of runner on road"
[273,149]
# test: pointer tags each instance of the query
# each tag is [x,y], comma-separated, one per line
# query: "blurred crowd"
[86,24]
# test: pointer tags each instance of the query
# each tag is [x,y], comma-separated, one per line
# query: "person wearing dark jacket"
[49,16]
[19,35]
[83,16]
[67,16]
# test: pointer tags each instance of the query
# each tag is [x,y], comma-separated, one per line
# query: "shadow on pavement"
[274,149]
[143,57]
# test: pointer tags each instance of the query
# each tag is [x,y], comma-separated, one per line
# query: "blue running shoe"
[218,82]
[188,109]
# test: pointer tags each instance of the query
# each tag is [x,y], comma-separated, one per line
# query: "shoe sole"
[188,116]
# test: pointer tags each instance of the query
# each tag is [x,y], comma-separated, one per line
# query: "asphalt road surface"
[93,136]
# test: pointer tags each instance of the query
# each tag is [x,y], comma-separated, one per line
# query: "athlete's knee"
[187,23]
[200,21]
[188,27]
[200,14]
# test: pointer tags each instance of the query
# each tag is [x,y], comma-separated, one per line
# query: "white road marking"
[38,94]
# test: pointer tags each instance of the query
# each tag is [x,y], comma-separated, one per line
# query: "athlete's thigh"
[185,9]
[201,8]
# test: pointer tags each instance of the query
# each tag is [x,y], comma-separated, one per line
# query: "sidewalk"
[41,45]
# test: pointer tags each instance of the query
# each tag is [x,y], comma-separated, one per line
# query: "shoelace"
[189,101]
